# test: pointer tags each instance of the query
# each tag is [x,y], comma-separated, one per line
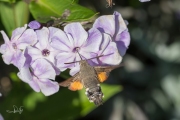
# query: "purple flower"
[109,51]
[75,38]
[88,45]
[144,0]
[42,54]
[13,50]
[39,75]
[42,48]
[34,25]
[115,26]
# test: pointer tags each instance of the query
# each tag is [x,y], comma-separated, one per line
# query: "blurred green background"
[146,88]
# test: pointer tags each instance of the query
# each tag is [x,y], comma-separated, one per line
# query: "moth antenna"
[79,56]
[86,59]
[78,53]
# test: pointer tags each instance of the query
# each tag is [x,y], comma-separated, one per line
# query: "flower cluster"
[41,54]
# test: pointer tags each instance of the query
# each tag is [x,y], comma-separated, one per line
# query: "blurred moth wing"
[74,83]
[104,71]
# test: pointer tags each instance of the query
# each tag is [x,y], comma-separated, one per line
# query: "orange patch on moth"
[77,85]
[102,76]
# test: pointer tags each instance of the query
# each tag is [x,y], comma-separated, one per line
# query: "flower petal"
[111,55]
[34,24]
[6,39]
[28,38]
[105,24]
[65,57]
[60,41]
[85,55]
[16,34]
[106,40]
[34,53]
[43,37]
[18,59]
[90,57]
[124,37]
[43,69]
[119,23]
[7,57]
[77,32]
[93,42]
[53,31]
[34,85]
[25,75]
[74,70]
[123,40]
[110,24]
[3,48]
[48,87]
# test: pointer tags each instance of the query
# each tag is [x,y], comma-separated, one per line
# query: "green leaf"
[14,15]
[65,74]
[108,91]
[10,1]
[32,100]
[37,106]
[75,1]
[42,10]
[14,77]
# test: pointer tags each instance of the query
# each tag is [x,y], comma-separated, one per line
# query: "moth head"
[83,62]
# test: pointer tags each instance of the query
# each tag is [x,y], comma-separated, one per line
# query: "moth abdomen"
[95,95]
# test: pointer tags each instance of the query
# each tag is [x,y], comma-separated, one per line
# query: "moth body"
[89,78]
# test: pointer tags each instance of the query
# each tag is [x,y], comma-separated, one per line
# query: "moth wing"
[107,68]
[104,71]
[67,82]
[76,85]
[73,83]
[103,76]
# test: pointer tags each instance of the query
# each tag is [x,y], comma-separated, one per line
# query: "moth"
[110,3]
[90,78]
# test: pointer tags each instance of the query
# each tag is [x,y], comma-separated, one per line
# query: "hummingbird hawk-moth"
[90,78]
[110,3]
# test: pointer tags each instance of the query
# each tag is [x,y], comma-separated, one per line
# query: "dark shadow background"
[150,76]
